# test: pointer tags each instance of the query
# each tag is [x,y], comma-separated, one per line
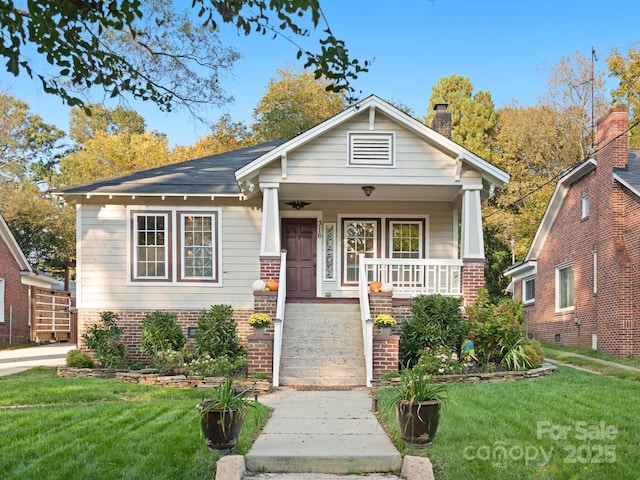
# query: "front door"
[299,239]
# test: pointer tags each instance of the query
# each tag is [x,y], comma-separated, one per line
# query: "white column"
[472,240]
[270,241]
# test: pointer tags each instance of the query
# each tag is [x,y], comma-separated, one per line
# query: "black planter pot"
[221,429]
[418,422]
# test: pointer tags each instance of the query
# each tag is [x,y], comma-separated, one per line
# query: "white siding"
[324,160]
[104,264]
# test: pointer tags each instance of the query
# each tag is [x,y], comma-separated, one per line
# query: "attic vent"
[371,149]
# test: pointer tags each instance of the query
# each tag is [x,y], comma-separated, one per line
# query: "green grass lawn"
[57,428]
[571,425]
[634,362]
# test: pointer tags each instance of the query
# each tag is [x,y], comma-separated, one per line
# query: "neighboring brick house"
[18,285]
[579,279]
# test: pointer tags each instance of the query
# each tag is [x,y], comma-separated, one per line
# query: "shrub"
[104,340]
[441,361]
[495,328]
[216,367]
[435,320]
[533,351]
[515,357]
[78,359]
[216,335]
[161,333]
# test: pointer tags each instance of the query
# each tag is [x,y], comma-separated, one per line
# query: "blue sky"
[503,47]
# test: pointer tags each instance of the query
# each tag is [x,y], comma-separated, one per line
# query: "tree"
[226,135]
[27,144]
[627,71]
[534,145]
[576,88]
[149,51]
[292,104]
[107,156]
[42,226]
[83,127]
[473,117]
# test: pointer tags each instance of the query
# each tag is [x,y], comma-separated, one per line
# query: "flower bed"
[544,370]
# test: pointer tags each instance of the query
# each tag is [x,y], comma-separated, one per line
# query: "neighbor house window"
[198,246]
[1,300]
[360,236]
[585,206]
[528,290]
[151,246]
[406,239]
[564,288]
[371,149]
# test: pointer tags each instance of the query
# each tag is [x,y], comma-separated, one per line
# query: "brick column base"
[260,355]
[472,279]
[270,268]
[385,354]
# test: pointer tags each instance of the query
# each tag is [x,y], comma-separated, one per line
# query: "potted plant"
[417,401]
[222,416]
[260,322]
[384,322]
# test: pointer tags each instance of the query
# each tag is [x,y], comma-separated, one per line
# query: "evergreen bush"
[216,335]
[103,339]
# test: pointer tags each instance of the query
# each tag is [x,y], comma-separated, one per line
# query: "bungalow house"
[370,194]
[27,302]
[578,281]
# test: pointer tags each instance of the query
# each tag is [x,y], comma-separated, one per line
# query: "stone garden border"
[171,381]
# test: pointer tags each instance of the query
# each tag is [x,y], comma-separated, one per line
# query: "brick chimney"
[613,145]
[442,120]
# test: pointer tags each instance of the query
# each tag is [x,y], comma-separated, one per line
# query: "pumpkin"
[375,286]
[272,285]
[386,287]
[258,285]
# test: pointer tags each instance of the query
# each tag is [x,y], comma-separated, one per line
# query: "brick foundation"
[385,354]
[472,279]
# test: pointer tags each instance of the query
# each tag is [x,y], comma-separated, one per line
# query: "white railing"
[411,277]
[278,322]
[367,323]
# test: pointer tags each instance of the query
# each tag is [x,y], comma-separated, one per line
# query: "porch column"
[270,241]
[472,244]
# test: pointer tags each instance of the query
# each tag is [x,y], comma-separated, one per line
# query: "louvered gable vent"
[371,149]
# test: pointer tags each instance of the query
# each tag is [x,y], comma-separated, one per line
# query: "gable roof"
[27,274]
[207,176]
[489,172]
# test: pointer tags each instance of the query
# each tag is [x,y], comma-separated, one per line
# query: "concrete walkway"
[586,357]
[322,435]
[21,359]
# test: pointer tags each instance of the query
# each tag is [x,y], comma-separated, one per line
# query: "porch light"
[298,204]
[367,189]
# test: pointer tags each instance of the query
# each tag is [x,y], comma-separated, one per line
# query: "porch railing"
[411,277]
[278,322]
[367,323]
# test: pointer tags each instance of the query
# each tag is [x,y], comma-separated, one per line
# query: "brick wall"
[385,354]
[131,323]
[270,268]
[604,305]
[16,299]
[260,355]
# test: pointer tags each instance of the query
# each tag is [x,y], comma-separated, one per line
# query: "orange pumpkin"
[375,286]
[272,285]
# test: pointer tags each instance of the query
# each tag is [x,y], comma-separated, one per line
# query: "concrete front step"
[322,346]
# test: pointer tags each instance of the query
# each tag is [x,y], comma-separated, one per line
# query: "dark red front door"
[299,239]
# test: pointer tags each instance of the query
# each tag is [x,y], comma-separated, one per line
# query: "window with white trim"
[585,206]
[371,149]
[2,300]
[151,245]
[564,288]
[528,290]
[198,246]
[406,239]
[360,236]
